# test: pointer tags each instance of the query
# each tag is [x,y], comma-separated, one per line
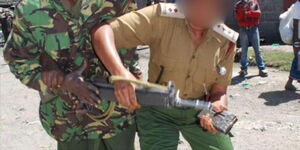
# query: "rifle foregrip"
[145,96]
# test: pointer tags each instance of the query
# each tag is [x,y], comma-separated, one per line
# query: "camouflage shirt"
[46,27]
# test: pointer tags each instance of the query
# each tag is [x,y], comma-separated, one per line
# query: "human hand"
[206,120]
[86,92]
[125,91]
[53,78]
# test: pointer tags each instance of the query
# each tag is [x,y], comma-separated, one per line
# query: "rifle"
[168,97]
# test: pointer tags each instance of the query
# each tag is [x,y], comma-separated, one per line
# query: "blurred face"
[204,13]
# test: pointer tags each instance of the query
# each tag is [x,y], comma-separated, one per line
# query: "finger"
[205,124]
[44,76]
[80,111]
[125,96]
[51,76]
[132,98]
[209,125]
[204,119]
[212,129]
[119,98]
[93,88]
[46,79]
[80,70]
[208,128]
[87,101]
[60,80]
[218,109]
[201,123]
[88,96]
[54,80]
[224,107]
[96,100]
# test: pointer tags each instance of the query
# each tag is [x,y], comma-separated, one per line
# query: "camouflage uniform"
[46,27]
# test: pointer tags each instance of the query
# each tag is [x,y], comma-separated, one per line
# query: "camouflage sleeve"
[22,54]
[130,59]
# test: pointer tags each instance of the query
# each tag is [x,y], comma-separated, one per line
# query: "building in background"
[271,9]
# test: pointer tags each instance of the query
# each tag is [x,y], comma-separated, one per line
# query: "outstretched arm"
[128,31]
[104,45]
[105,48]
[219,89]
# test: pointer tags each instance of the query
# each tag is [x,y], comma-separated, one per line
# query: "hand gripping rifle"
[154,95]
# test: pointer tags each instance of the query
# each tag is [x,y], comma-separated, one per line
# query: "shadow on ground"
[274,98]
[237,79]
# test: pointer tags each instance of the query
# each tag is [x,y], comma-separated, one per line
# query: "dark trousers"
[123,141]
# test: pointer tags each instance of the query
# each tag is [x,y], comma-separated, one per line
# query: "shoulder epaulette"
[171,10]
[226,32]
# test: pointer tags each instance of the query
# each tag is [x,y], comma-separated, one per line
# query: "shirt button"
[188,76]
[193,57]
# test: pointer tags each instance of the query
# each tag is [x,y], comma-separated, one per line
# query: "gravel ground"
[269,117]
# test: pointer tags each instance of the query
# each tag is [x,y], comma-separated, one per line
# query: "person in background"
[290,34]
[248,16]
[50,51]
[189,45]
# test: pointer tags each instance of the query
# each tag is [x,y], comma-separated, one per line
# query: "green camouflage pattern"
[47,27]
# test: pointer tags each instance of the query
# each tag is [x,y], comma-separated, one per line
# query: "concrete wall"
[271,9]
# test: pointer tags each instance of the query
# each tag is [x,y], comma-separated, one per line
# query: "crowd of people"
[59,47]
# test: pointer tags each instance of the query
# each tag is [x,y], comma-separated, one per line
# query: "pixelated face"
[204,13]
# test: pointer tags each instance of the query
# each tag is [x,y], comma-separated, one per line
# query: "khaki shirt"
[173,56]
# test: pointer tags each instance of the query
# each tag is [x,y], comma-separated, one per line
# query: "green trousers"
[159,129]
[123,141]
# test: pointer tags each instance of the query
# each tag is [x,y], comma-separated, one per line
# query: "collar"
[211,34]
[67,13]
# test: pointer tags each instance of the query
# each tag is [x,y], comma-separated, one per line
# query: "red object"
[248,14]
[71,1]
[230,48]
[207,98]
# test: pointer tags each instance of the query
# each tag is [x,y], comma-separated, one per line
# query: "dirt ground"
[269,117]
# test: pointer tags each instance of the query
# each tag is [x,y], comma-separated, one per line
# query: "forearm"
[105,48]
[30,78]
[219,95]
[24,66]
